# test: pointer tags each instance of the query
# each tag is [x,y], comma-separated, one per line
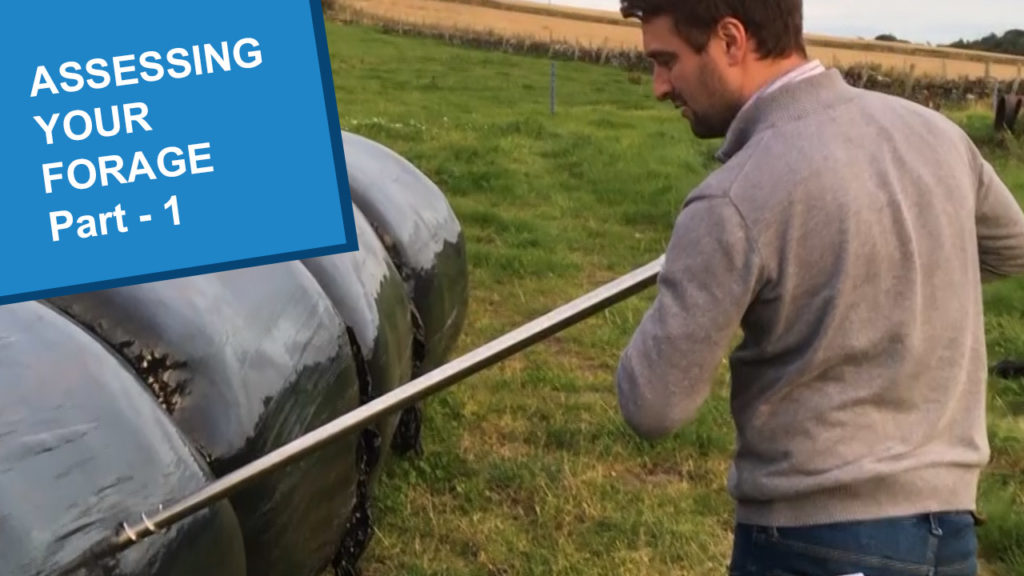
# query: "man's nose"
[660,84]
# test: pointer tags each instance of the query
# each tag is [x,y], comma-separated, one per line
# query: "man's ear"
[735,41]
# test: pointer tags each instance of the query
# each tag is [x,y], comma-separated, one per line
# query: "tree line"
[1010,42]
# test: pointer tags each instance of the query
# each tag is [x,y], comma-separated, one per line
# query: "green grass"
[529,468]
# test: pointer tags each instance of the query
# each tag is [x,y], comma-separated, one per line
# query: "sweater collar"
[805,70]
[786,103]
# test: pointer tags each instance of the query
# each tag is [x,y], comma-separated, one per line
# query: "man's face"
[702,86]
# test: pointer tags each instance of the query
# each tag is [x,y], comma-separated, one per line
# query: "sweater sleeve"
[709,276]
[1000,225]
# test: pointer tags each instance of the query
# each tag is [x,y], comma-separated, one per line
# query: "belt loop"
[933,518]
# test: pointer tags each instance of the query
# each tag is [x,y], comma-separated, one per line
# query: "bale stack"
[130,398]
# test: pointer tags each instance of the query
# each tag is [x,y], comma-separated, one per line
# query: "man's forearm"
[709,276]
[1000,224]
[660,388]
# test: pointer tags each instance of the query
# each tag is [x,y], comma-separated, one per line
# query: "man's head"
[710,56]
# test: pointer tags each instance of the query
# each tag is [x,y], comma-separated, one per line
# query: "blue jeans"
[925,545]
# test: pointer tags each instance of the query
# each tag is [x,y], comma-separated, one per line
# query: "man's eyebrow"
[656,53]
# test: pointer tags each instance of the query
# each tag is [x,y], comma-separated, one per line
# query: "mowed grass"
[528,467]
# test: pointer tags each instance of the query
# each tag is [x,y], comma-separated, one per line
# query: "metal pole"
[400,398]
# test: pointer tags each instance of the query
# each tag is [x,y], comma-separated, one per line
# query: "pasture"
[527,467]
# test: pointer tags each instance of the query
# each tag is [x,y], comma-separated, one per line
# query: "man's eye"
[664,61]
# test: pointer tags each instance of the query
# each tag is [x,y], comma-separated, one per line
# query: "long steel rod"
[438,379]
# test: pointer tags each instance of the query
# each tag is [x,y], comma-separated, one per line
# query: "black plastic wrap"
[1007,109]
[368,291]
[1000,122]
[83,447]
[1014,105]
[417,226]
[246,361]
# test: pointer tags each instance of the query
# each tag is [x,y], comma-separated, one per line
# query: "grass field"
[597,28]
[528,468]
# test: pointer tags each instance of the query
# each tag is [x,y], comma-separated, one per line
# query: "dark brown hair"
[775,25]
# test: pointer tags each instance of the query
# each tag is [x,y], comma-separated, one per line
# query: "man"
[847,233]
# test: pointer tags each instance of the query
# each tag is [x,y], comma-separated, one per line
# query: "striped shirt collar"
[805,70]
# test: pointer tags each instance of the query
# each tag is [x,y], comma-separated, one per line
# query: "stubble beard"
[714,120]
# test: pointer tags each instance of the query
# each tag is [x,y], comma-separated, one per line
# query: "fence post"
[552,87]
[909,82]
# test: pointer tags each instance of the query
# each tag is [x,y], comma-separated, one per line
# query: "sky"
[922,21]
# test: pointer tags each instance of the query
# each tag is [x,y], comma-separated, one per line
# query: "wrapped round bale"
[1014,105]
[1008,109]
[245,361]
[84,447]
[369,293]
[418,228]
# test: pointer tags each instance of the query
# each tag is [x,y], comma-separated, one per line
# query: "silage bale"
[1014,104]
[368,291]
[1000,113]
[84,447]
[245,361]
[421,233]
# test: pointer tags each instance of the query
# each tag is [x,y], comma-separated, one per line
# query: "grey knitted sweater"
[847,234]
